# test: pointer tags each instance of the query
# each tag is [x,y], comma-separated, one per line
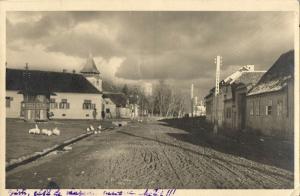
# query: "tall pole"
[218,60]
[192,101]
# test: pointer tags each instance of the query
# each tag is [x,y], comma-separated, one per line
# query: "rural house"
[270,104]
[228,108]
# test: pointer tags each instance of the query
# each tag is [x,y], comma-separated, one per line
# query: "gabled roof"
[249,78]
[234,76]
[90,66]
[119,99]
[276,77]
[35,81]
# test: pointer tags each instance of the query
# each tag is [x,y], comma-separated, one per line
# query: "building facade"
[35,95]
[270,104]
[228,108]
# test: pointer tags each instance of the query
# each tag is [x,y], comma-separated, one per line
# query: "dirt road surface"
[146,155]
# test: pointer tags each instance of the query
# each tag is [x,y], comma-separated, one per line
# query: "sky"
[137,47]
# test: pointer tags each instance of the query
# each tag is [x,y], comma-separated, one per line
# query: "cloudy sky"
[146,46]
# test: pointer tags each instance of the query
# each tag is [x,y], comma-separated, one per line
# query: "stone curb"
[13,163]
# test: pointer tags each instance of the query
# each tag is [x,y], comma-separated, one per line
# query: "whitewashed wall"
[15,105]
[76,101]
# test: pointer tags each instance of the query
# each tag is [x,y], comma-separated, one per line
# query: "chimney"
[250,67]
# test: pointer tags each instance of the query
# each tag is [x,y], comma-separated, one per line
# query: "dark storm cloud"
[161,45]
[80,45]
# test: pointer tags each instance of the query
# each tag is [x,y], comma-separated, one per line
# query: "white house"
[40,95]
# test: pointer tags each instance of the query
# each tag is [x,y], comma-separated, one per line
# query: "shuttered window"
[269,108]
[7,101]
[64,104]
[88,105]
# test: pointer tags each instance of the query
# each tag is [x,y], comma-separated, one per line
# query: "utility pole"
[192,100]
[218,62]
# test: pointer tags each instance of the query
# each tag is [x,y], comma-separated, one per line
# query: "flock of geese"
[56,131]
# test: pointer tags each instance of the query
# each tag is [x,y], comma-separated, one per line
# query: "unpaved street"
[152,155]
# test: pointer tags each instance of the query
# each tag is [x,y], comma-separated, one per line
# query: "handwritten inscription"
[147,192]
[73,192]
[18,192]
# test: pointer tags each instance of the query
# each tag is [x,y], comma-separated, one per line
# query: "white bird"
[45,131]
[35,130]
[88,129]
[56,131]
[38,131]
[92,128]
[95,132]
[31,131]
[99,127]
[49,132]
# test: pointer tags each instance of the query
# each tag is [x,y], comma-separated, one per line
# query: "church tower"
[91,73]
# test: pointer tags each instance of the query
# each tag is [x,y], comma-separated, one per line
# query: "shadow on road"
[215,157]
[268,151]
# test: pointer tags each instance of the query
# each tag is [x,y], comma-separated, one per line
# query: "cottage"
[35,95]
[235,99]
[270,104]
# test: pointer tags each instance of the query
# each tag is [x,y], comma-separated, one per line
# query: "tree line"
[165,100]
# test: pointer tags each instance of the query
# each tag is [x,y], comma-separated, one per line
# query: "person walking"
[95,113]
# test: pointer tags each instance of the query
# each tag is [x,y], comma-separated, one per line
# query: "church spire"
[90,66]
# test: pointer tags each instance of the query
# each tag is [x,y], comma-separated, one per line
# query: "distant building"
[198,107]
[35,95]
[270,104]
[116,105]
[147,88]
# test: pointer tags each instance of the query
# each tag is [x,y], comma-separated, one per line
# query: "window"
[269,108]
[251,108]
[53,104]
[88,105]
[8,100]
[107,110]
[64,104]
[257,105]
[228,113]
[279,107]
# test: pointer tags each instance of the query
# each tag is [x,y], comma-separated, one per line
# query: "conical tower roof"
[90,66]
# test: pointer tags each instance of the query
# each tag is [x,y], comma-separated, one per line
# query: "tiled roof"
[249,79]
[277,76]
[36,81]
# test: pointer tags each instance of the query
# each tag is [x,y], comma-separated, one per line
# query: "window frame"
[280,107]
[269,108]
[64,104]
[8,101]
